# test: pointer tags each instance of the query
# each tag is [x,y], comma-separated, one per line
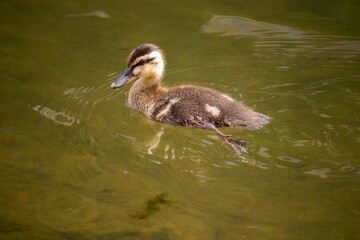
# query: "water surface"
[78,163]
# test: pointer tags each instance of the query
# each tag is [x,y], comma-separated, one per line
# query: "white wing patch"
[168,106]
[213,110]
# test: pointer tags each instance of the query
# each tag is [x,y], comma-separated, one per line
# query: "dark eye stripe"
[142,62]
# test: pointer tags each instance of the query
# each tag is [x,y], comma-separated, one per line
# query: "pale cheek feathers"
[155,68]
[137,70]
[212,110]
[149,70]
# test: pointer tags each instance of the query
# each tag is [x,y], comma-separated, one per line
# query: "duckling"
[186,105]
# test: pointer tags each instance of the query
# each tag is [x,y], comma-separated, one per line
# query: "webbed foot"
[239,145]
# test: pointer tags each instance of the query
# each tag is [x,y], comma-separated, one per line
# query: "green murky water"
[77,163]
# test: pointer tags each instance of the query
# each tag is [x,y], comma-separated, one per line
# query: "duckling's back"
[194,106]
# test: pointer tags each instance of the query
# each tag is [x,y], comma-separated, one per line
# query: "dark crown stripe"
[141,51]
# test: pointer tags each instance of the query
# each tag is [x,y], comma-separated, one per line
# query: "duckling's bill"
[125,78]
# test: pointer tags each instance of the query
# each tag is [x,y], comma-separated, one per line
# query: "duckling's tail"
[239,145]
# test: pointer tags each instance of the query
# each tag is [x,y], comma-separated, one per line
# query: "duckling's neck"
[144,93]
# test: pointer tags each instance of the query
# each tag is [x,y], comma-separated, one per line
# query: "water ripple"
[61,117]
[280,38]
[289,159]
[86,94]
[347,170]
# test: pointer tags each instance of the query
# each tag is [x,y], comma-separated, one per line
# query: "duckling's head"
[146,62]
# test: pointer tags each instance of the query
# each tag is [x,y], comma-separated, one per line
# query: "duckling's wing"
[193,106]
[171,120]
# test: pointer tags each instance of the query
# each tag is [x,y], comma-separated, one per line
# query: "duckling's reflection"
[156,141]
[195,154]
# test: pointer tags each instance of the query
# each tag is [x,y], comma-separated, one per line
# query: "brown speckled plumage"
[189,106]
[190,110]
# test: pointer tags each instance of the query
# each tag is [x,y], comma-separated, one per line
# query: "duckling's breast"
[144,98]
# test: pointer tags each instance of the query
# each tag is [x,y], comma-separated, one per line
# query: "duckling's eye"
[142,61]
